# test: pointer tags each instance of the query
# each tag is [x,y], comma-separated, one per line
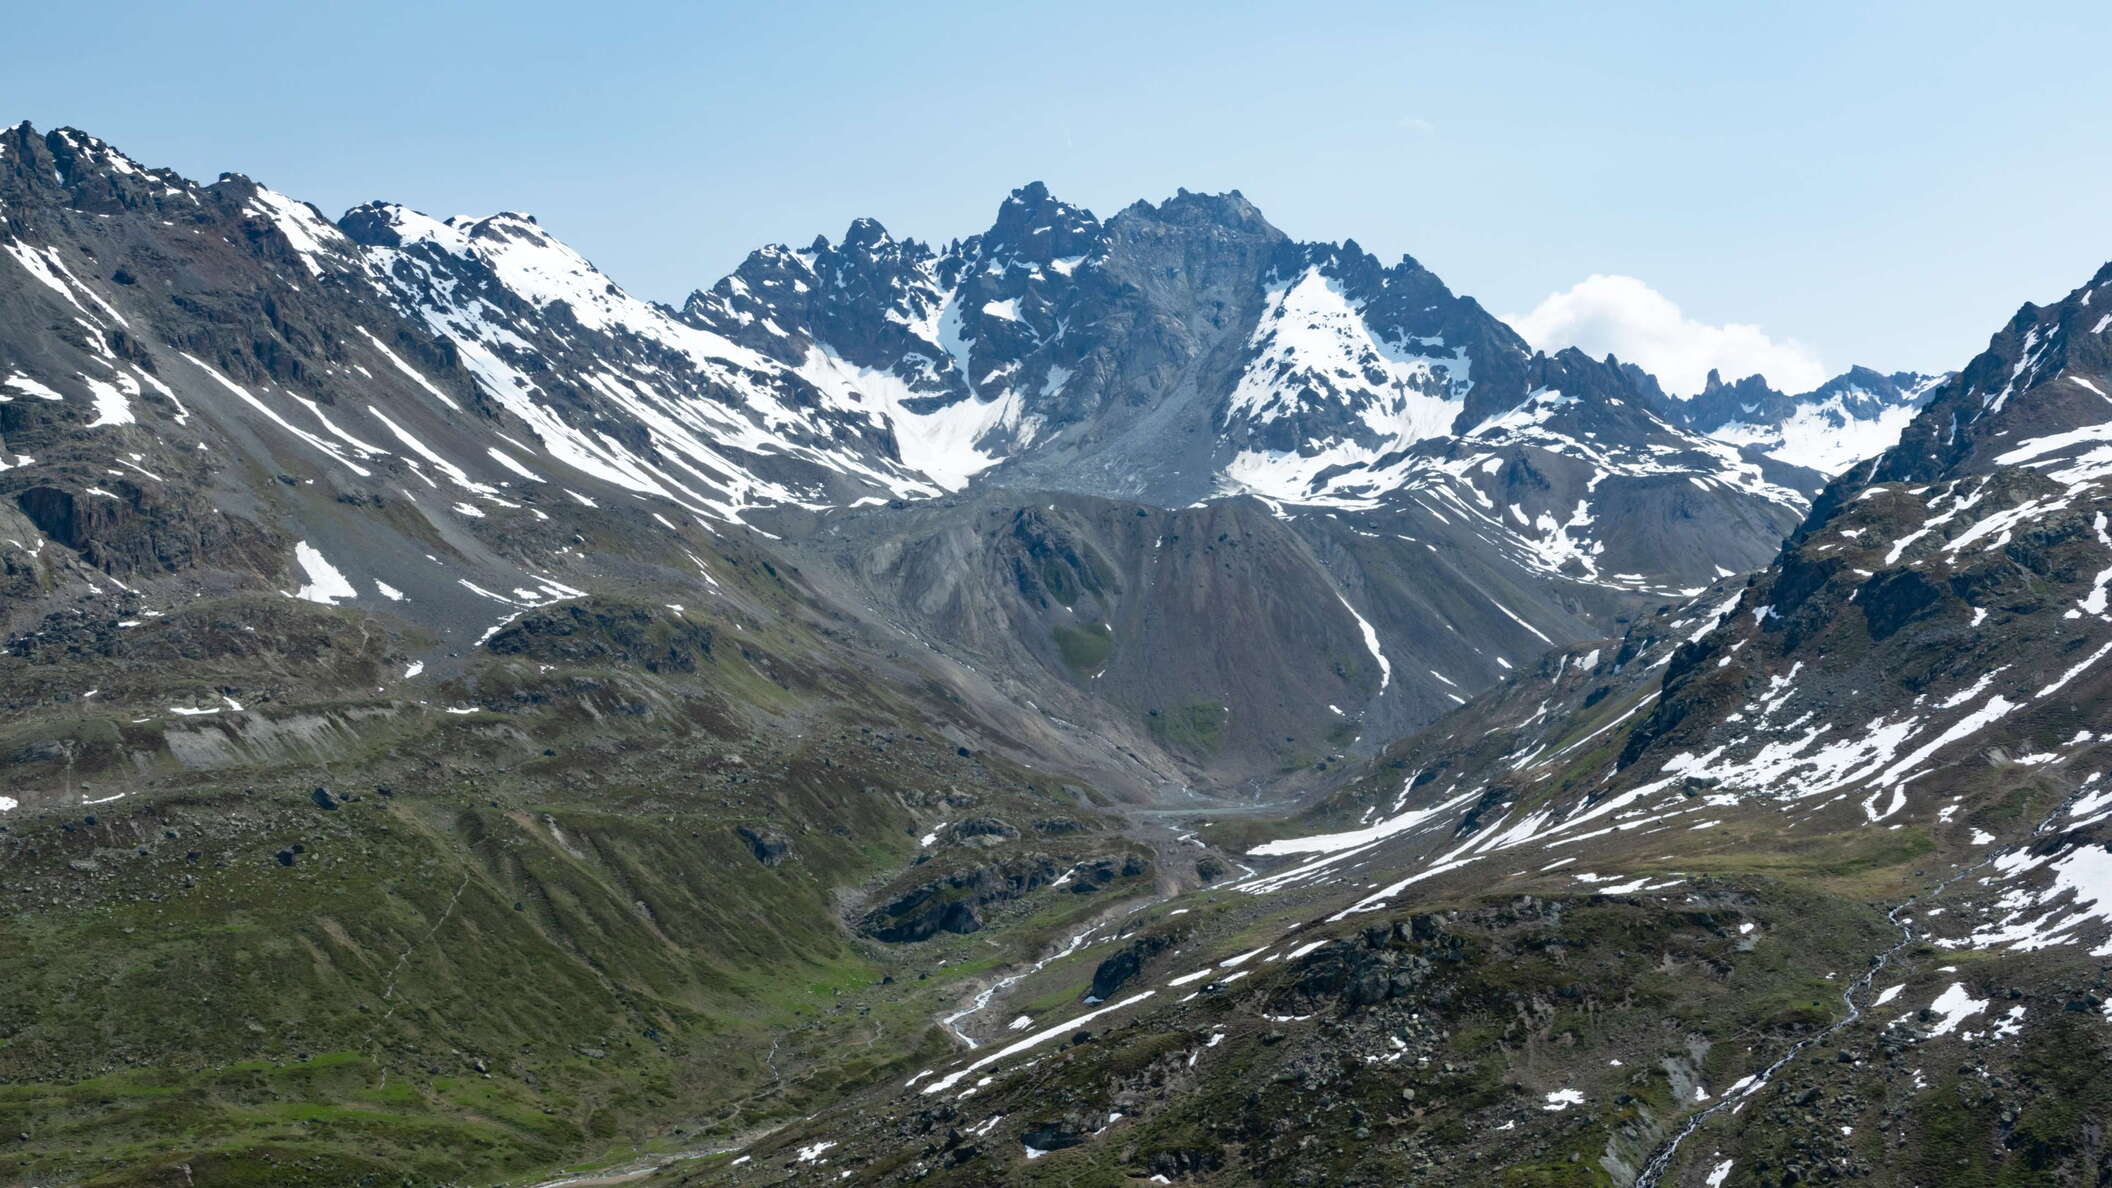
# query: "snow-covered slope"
[1856,415]
[622,388]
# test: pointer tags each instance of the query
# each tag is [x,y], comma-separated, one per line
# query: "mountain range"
[1230,697]
[1465,500]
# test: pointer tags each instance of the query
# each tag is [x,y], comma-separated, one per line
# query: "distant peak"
[76,138]
[1031,194]
[1033,223]
[1755,383]
[866,233]
[80,158]
[375,224]
[1187,208]
[1036,200]
[776,258]
[1230,202]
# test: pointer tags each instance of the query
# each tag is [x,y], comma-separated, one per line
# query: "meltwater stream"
[1654,1170]
[984,997]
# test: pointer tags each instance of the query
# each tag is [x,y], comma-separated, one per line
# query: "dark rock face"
[128,529]
[599,631]
[1891,600]
[770,847]
[71,520]
[1098,874]
[1177,1163]
[1386,961]
[948,903]
[1129,961]
[1058,1133]
[981,831]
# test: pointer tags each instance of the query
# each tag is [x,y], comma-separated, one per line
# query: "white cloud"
[1621,315]
[1418,125]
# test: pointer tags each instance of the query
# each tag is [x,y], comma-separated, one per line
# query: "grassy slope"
[543,940]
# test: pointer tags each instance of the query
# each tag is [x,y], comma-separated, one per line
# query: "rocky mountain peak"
[1229,210]
[866,235]
[1754,385]
[374,224]
[1859,376]
[79,156]
[1034,225]
[2039,395]
[90,174]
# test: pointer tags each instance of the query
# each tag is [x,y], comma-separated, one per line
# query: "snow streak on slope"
[1371,642]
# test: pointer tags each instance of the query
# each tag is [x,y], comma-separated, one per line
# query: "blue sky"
[1834,183]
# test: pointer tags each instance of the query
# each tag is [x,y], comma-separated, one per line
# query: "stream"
[1653,1171]
[641,1168]
[988,994]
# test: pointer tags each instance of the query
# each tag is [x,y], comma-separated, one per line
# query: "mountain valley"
[1142,700]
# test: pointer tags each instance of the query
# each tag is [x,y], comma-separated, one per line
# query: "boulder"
[769,846]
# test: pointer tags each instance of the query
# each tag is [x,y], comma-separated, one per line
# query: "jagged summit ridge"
[2037,395]
[1853,416]
[1179,350]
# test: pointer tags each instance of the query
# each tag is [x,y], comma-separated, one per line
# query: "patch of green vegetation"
[1295,759]
[1085,649]
[516,958]
[1069,576]
[1196,727]
[1577,1170]
[1858,863]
